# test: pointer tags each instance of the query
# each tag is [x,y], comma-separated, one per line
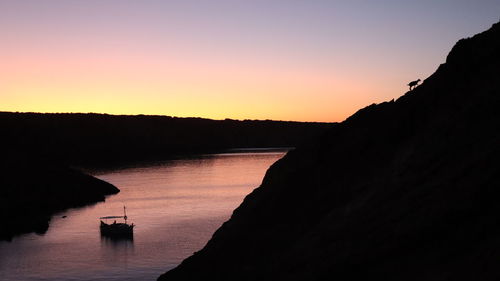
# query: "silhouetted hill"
[100,139]
[38,149]
[32,191]
[404,190]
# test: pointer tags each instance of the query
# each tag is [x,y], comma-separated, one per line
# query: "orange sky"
[304,62]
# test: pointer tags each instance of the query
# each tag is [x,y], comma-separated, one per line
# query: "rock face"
[31,192]
[403,190]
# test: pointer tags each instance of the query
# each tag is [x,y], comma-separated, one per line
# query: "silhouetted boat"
[116,229]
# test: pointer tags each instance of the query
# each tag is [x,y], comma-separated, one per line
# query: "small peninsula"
[32,191]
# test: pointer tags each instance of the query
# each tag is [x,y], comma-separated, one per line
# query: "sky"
[307,60]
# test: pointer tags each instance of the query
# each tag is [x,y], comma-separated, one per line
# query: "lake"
[176,206]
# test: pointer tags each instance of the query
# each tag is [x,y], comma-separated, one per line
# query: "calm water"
[176,206]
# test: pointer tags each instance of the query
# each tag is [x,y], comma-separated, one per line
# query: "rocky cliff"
[403,190]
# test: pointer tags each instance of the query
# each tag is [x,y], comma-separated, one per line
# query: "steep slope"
[403,190]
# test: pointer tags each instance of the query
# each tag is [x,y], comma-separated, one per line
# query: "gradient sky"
[250,59]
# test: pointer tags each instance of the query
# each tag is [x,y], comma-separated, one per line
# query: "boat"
[116,229]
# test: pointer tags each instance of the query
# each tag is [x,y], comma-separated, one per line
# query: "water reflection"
[176,205]
[118,243]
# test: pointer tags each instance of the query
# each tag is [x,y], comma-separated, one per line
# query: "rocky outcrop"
[32,191]
[403,190]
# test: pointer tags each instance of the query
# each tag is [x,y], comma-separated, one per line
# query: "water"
[176,206]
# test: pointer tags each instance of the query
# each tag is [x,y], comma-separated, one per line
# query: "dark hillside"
[100,139]
[403,190]
[38,149]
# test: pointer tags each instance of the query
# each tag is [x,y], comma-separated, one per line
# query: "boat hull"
[116,229]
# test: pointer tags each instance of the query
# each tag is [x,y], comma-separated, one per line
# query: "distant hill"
[402,190]
[101,139]
[37,151]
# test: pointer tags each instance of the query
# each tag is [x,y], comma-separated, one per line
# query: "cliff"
[402,190]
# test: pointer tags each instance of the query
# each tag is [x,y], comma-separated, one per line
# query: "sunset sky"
[253,59]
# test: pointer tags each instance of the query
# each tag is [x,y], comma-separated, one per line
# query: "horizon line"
[162,115]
